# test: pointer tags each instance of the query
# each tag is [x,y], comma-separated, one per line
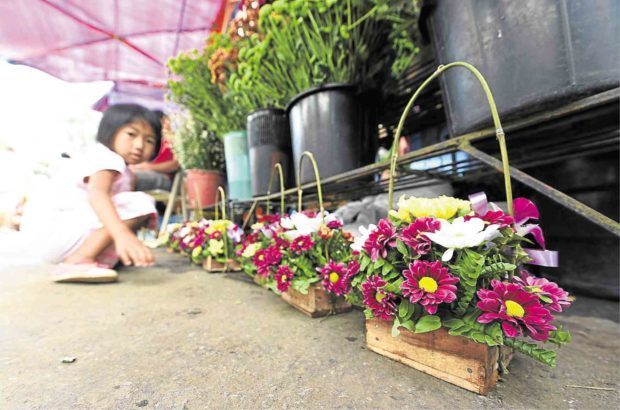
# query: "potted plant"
[201,155]
[317,55]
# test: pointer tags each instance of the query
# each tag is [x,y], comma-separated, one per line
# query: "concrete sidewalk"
[176,337]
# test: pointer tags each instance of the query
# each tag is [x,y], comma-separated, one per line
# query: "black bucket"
[534,54]
[269,139]
[329,122]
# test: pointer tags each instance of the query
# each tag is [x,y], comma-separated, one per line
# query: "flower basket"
[264,231]
[455,359]
[307,261]
[217,262]
[442,282]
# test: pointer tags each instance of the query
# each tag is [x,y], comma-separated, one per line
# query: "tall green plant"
[191,87]
[307,43]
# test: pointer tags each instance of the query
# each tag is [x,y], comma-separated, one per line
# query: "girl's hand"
[131,251]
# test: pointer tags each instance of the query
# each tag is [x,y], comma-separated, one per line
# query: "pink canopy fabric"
[125,41]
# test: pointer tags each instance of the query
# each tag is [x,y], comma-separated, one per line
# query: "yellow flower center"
[380,296]
[333,277]
[428,284]
[283,279]
[514,309]
[261,257]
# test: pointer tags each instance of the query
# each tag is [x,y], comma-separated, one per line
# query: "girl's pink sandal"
[83,273]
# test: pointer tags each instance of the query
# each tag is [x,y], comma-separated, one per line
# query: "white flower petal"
[447,255]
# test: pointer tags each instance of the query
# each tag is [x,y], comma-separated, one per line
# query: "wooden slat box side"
[317,302]
[455,359]
[213,266]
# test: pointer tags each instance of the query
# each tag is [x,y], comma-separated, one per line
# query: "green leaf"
[428,324]
[409,325]
[560,337]
[368,314]
[365,262]
[379,263]
[402,248]
[403,309]
[453,323]
[395,331]
[545,356]
[387,268]
[545,299]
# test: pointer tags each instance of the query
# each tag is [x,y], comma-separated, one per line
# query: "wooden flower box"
[213,266]
[317,302]
[455,359]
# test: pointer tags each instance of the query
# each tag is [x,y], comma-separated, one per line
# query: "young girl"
[88,219]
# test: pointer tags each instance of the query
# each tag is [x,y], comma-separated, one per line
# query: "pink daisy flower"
[335,278]
[353,268]
[379,239]
[517,310]
[429,284]
[301,244]
[382,303]
[283,277]
[553,296]
[413,235]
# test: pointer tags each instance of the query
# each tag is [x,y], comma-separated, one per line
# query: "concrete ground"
[176,337]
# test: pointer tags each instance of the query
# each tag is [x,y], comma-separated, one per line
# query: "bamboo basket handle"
[499,132]
[221,195]
[308,154]
[277,167]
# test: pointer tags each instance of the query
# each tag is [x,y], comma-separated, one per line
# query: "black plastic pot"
[269,139]
[534,54]
[329,122]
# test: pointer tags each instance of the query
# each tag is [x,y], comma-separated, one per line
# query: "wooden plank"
[455,359]
[317,302]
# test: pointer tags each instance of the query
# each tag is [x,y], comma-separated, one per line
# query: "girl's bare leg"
[98,241]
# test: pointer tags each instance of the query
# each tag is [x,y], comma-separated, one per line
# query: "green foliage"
[190,86]
[468,268]
[545,356]
[427,323]
[468,326]
[560,337]
[197,148]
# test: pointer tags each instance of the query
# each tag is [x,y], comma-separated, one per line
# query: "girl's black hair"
[119,115]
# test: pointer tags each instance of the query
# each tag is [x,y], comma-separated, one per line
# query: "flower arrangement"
[298,251]
[315,249]
[205,238]
[446,262]
[260,250]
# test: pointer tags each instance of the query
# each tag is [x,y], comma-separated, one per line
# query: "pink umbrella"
[127,42]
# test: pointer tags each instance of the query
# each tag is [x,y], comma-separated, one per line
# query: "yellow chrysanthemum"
[257,225]
[250,250]
[196,252]
[443,207]
[401,215]
[220,224]
[215,247]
